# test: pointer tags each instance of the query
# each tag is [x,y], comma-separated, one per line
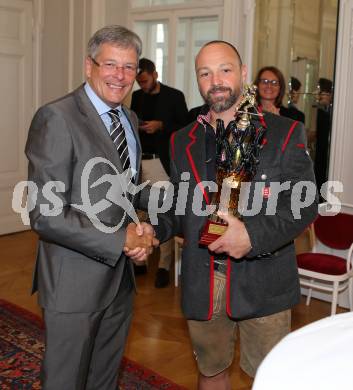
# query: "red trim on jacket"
[229,265]
[289,135]
[172,145]
[302,146]
[210,309]
[262,120]
[192,164]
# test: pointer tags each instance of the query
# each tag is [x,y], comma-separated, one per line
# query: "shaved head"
[220,75]
[224,43]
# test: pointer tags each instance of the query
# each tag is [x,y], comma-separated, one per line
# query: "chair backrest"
[335,231]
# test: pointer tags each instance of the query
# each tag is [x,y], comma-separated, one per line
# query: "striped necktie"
[117,134]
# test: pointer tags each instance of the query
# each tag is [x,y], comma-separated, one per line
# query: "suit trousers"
[84,350]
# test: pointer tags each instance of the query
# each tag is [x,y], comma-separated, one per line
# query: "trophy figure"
[237,150]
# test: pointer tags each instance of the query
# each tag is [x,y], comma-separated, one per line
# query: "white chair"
[178,248]
[324,271]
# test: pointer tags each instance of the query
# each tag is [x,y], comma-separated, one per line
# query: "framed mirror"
[299,38]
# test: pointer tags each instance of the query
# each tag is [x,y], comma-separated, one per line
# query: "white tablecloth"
[318,356]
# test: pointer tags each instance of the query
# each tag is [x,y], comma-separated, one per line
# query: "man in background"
[294,95]
[323,131]
[161,111]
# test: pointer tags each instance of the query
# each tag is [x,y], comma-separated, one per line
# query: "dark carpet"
[21,350]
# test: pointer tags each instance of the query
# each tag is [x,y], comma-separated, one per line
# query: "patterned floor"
[21,349]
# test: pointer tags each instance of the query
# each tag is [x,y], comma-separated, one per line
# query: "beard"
[152,87]
[220,103]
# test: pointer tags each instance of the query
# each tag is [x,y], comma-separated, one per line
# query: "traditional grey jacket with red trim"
[266,280]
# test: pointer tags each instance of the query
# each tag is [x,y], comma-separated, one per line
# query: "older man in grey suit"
[84,278]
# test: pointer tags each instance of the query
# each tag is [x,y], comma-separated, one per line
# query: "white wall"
[117,12]
[55,70]
[66,27]
[341,161]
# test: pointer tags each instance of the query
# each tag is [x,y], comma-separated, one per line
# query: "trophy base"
[212,231]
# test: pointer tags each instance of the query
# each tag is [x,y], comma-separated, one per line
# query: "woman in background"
[271,88]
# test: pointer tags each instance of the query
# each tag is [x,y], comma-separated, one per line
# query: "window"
[172,32]
[192,34]
[154,36]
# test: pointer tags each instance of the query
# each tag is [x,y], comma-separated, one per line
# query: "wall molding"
[98,15]
[351,43]
[37,31]
[238,28]
[71,46]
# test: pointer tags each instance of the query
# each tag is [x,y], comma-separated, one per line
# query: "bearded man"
[247,279]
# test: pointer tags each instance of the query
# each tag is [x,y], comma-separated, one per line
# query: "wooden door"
[16,103]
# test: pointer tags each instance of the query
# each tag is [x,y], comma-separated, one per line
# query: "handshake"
[140,241]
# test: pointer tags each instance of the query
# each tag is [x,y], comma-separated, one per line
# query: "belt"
[220,267]
[219,257]
[149,156]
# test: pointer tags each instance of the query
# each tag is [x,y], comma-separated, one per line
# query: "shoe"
[140,269]
[162,278]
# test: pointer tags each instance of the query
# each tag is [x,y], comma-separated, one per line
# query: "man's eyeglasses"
[111,66]
[274,83]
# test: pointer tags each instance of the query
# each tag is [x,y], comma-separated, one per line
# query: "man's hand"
[235,242]
[139,242]
[150,127]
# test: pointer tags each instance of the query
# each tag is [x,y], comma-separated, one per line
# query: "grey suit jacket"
[266,280]
[79,268]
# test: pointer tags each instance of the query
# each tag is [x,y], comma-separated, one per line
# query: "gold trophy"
[237,150]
